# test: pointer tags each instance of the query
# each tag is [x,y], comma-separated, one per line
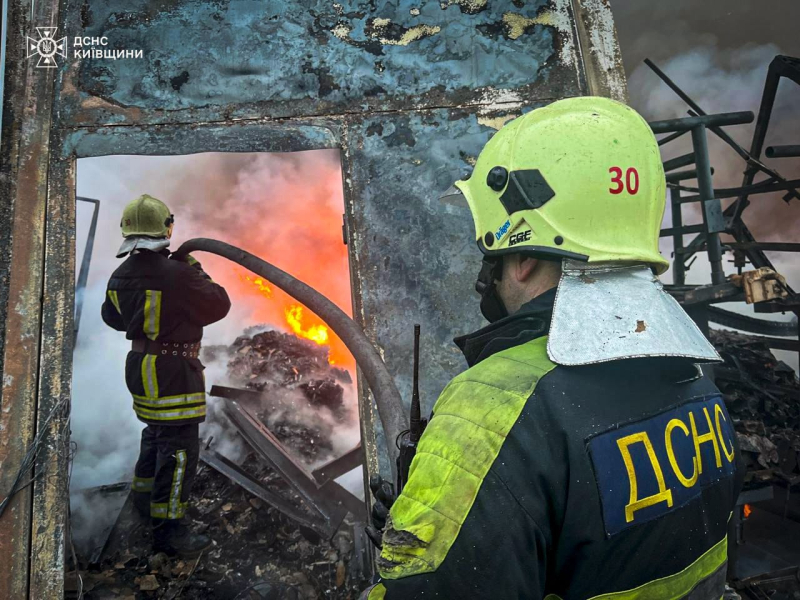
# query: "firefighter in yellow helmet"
[162,306]
[582,454]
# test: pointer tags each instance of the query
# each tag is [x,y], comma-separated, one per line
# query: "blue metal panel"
[205,60]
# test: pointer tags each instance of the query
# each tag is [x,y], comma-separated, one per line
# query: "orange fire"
[315,333]
[300,322]
[259,284]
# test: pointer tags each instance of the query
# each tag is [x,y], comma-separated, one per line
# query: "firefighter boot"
[173,538]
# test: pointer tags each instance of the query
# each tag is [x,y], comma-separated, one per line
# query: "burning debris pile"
[302,394]
[763,398]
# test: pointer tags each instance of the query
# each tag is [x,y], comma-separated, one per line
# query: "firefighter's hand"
[383,492]
[189,260]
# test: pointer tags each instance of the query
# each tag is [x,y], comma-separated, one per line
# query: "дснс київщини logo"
[46,47]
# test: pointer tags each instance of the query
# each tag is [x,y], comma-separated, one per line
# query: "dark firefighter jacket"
[153,297]
[532,480]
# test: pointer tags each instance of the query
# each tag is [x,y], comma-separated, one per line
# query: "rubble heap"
[254,547]
[763,398]
[294,374]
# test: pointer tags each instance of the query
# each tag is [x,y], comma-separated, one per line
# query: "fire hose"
[390,406]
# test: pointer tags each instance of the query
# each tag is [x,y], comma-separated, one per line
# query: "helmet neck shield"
[613,311]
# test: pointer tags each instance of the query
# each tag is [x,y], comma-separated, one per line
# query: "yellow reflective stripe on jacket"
[181,399]
[170,415]
[112,295]
[472,418]
[142,484]
[152,313]
[149,376]
[377,592]
[681,584]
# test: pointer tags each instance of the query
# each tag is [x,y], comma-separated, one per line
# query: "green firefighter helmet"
[146,224]
[147,216]
[580,178]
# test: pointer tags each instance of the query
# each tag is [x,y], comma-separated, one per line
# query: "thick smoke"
[286,208]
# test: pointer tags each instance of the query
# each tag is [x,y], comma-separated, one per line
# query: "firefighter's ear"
[524,267]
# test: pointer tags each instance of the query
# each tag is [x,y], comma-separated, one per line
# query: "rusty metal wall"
[408,91]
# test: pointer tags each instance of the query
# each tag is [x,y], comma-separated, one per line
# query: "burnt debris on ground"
[296,381]
[763,398]
[259,551]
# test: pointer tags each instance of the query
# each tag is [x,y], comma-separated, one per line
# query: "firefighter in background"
[583,454]
[162,305]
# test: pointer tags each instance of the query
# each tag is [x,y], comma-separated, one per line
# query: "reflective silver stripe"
[175,511]
[152,316]
[168,415]
[171,400]
[151,389]
[158,511]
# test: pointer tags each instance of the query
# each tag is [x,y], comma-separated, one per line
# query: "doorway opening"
[279,486]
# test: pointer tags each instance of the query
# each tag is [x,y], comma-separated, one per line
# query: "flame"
[259,283]
[315,333]
[747,510]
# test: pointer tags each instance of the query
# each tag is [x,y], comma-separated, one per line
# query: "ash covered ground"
[258,553]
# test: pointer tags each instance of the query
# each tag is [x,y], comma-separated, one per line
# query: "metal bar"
[681,176]
[741,233]
[673,136]
[682,230]
[688,123]
[339,466]
[766,246]
[712,208]
[272,451]
[726,292]
[678,265]
[756,495]
[345,500]
[751,324]
[103,537]
[83,274]
[721,134]
[233,472]
[758,188]
[777,68]
[678,162]
[229,393]
[787,151]
[779,344]
[759,135]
